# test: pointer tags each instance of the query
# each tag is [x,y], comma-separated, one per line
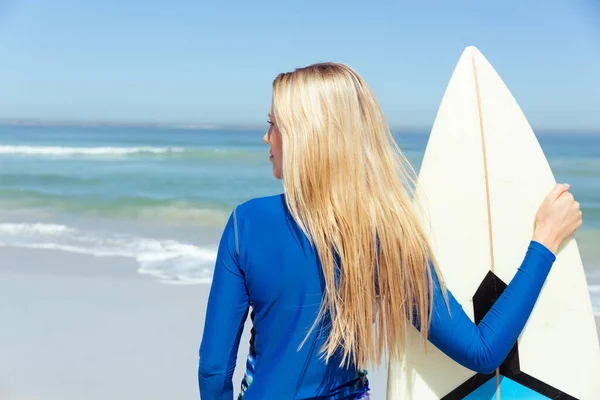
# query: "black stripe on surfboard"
[486,295]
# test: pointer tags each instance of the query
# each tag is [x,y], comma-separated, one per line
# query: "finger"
[558,190]
[567,197]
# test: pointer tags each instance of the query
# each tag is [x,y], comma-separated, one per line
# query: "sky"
[213,62]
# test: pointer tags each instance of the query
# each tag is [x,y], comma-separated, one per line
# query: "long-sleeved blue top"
[266,262]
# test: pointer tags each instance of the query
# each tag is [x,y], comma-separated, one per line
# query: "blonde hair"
[350,189]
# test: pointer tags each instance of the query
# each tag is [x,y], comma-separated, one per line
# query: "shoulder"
[255,219]
[260,207]
[259,216]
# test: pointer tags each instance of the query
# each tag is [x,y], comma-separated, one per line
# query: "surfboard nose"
[469,59]
[471,50]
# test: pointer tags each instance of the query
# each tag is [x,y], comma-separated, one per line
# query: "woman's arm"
[484,347]
[225,315]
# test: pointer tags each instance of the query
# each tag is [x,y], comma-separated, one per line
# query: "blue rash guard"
[265,262]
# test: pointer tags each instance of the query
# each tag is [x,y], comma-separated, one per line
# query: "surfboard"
[482,179]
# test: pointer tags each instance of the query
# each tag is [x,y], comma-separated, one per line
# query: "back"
[278,274]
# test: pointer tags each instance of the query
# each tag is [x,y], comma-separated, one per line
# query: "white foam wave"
[34,229]
[57,151]
[169,261]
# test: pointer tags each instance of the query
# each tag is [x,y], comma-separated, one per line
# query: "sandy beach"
[81,327]
[92,328]
[85,332]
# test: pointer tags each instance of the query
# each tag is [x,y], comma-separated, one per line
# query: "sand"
[79,327]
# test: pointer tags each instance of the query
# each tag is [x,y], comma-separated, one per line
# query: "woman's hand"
[557,218]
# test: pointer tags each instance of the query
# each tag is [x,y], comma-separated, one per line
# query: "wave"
[85,151]
[108,152]
[27,229]
[168,261]
[191,211]
[23,179]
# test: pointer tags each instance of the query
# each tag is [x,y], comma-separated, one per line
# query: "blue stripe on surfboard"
[509,389]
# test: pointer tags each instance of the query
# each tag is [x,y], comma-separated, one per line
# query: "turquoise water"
[129,173]
[161,196]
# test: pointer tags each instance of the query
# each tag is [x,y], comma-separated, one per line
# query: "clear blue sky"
[212,62]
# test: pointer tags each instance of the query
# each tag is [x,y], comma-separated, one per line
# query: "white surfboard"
[484,176]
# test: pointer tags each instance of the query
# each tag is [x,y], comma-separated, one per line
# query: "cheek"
[278,155]
[277,142]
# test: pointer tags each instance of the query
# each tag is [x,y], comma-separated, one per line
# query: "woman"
[336,269]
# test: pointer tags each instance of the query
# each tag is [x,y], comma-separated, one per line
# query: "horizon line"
[43,122]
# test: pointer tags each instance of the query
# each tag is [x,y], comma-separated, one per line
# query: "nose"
[266,138]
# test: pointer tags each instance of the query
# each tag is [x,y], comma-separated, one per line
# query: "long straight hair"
[351,190]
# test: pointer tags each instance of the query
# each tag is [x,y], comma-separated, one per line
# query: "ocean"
[161,196]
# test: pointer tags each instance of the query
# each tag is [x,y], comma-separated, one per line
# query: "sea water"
[161,196]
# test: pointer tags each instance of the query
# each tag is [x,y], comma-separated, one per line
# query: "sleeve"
[484,347]
[226,313]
